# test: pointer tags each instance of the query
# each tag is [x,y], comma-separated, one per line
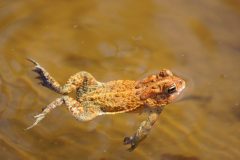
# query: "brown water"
[199,40]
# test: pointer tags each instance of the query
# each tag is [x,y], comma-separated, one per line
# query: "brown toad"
[94,98]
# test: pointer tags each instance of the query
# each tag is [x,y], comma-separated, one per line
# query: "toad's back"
[114,97]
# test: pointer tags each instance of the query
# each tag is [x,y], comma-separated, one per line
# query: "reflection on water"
[198,40]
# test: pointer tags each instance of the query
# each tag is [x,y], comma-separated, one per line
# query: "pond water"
[197,40]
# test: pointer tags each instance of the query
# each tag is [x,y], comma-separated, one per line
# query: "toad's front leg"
[143,130]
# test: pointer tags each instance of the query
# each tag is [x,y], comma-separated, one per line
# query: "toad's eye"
[171,89]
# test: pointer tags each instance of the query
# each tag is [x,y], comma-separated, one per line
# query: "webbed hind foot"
[45,79]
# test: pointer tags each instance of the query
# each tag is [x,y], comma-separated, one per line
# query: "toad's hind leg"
[79,111]
[78,80]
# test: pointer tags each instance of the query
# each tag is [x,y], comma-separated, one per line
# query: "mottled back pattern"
[115,96]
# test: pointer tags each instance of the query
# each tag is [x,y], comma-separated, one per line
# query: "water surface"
[198,40]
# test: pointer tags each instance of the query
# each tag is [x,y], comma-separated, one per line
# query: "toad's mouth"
[179,94]
[182,87]
[181,90]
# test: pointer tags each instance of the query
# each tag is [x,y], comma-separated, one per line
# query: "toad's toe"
[42,74]
[131,141]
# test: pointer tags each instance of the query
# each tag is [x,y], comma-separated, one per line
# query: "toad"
[94,98]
